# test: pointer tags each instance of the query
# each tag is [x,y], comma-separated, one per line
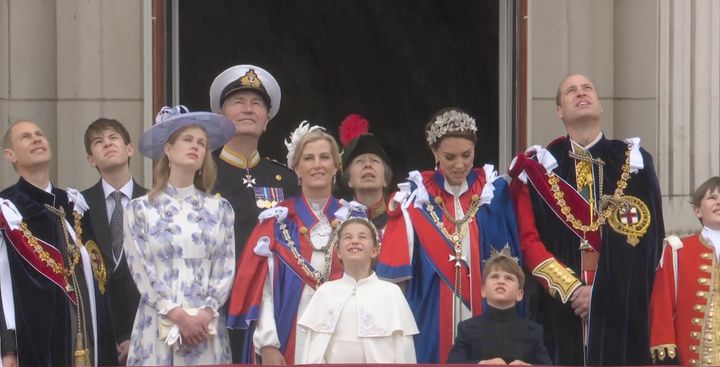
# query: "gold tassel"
[80,354]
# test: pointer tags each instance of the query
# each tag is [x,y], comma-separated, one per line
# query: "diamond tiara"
[450,121]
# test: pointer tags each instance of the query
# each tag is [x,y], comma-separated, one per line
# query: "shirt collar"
[127,189]
[713,237]
[587,147]
[456,191]
[349,279]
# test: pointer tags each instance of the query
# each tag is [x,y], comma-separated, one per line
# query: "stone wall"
[65,63]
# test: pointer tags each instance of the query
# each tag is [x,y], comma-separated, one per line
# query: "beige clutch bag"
[170,333]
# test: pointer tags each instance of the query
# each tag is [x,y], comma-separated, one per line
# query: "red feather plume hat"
[356,139]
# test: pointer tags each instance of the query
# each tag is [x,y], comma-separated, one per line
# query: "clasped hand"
[580,301]
[193,329]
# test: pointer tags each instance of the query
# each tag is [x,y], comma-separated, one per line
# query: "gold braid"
[81,353]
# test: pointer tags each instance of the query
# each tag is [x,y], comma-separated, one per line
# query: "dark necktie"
[116,226]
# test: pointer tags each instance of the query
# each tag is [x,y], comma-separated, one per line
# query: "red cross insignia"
[629,216]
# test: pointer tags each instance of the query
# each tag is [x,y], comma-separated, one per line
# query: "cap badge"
[250,79]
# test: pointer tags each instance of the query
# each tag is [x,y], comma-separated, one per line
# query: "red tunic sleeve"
[555,276]
[662,309]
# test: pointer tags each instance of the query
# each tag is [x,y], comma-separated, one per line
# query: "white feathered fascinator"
[295,137]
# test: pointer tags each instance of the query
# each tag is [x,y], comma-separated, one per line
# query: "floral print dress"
[181,252]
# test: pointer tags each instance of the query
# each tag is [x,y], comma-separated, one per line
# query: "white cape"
[385,324]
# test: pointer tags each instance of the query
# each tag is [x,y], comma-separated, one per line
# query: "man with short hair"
[51,272]
[250,97]
[109,149]
[591,230]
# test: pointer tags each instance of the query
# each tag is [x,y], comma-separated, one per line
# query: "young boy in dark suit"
[109,149]
[500,335]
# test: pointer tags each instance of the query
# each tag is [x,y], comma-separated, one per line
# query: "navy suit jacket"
[120,289]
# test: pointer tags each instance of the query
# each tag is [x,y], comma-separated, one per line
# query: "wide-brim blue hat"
[245,77]
[152,142]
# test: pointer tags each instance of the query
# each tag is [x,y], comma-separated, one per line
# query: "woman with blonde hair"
[289,253]
[180,245]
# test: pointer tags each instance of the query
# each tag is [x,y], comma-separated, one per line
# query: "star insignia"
[248,181]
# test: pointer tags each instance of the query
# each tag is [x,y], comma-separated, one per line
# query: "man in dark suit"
[109,149]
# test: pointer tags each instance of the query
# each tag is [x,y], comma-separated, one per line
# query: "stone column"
[688,104]
[100,66]
[567,36]
[65,63]
[27,69]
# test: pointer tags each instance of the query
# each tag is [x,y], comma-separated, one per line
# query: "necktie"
[116,226]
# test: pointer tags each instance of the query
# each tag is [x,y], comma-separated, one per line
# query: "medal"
[631,218]
[248,180]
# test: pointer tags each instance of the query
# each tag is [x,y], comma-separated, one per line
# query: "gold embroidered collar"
[236,159]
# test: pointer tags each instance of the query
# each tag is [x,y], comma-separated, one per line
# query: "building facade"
[656,64]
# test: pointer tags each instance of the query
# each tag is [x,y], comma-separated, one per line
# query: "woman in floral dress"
[180,244]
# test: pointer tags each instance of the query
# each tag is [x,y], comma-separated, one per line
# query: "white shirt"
[457,191]
[127,191]
[586,147]
[713,236]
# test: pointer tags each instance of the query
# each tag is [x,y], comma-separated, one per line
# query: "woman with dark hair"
[180,245]
[289,253]
[443,225]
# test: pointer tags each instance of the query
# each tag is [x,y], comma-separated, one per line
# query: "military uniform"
[685,304]
[251,186]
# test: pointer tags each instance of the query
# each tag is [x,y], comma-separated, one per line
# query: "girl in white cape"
[358,318]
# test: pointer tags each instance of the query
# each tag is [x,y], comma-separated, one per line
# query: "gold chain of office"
[326,250]
[45,257]
[462,226]
[606,201]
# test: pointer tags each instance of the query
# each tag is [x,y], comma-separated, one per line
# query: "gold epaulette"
[562,281]
[658,352]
